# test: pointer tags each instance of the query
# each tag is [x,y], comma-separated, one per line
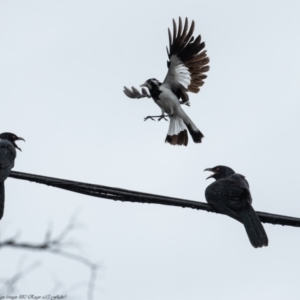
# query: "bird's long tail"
[254,227]
[177,133]
[193,130]
[2,198]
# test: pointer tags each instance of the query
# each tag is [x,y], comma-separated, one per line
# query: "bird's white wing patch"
[188,61]
[178,74]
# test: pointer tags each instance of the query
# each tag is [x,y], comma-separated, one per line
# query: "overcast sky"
[63,65]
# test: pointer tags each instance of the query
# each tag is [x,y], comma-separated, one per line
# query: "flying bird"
[7,160]
[187,66]
[230,195]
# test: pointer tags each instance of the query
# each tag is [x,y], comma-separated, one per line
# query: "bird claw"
[159,117]
[149,117]
[163,117]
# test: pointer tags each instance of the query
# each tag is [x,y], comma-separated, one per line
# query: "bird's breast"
[168,100]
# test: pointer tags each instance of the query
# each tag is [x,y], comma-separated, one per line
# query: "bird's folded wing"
[188,62]
[135,93]
[7,154]
[233,191]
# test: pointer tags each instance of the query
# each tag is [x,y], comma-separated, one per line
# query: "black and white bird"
[230,195]
[7,160]
[187,65]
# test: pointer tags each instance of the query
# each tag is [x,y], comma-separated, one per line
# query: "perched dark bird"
[7,160]
[230,195]
[187,65]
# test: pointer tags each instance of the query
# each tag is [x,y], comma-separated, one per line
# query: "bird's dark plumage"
[187,66]
[7,161]
[230,195]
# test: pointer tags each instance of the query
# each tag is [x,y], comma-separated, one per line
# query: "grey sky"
[63,65]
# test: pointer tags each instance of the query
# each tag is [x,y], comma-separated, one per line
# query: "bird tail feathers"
[194,132]
[2,198]
[177,133]
[254,228]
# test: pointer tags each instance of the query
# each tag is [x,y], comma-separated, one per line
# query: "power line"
[118,194]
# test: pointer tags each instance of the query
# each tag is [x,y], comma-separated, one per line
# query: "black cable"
[132,196]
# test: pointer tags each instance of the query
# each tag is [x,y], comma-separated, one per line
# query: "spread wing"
[187,63]
[135,93]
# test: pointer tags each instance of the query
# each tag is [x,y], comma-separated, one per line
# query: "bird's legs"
[163,116]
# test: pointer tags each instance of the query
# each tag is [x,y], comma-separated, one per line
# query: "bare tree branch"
[54,246]
[10,284]
[132,196]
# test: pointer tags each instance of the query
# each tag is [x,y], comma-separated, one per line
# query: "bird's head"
[219,172]
[12,138]
[151,83]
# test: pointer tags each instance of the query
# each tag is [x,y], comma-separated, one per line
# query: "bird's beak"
[211,170]
[18,139]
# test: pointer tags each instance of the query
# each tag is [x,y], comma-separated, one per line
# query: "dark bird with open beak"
[7,160]
[230,195]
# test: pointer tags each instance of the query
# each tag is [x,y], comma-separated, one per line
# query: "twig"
[11,282]
[54,246]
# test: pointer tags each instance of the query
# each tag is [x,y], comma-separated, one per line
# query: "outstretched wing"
[188,62]
[135,93]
